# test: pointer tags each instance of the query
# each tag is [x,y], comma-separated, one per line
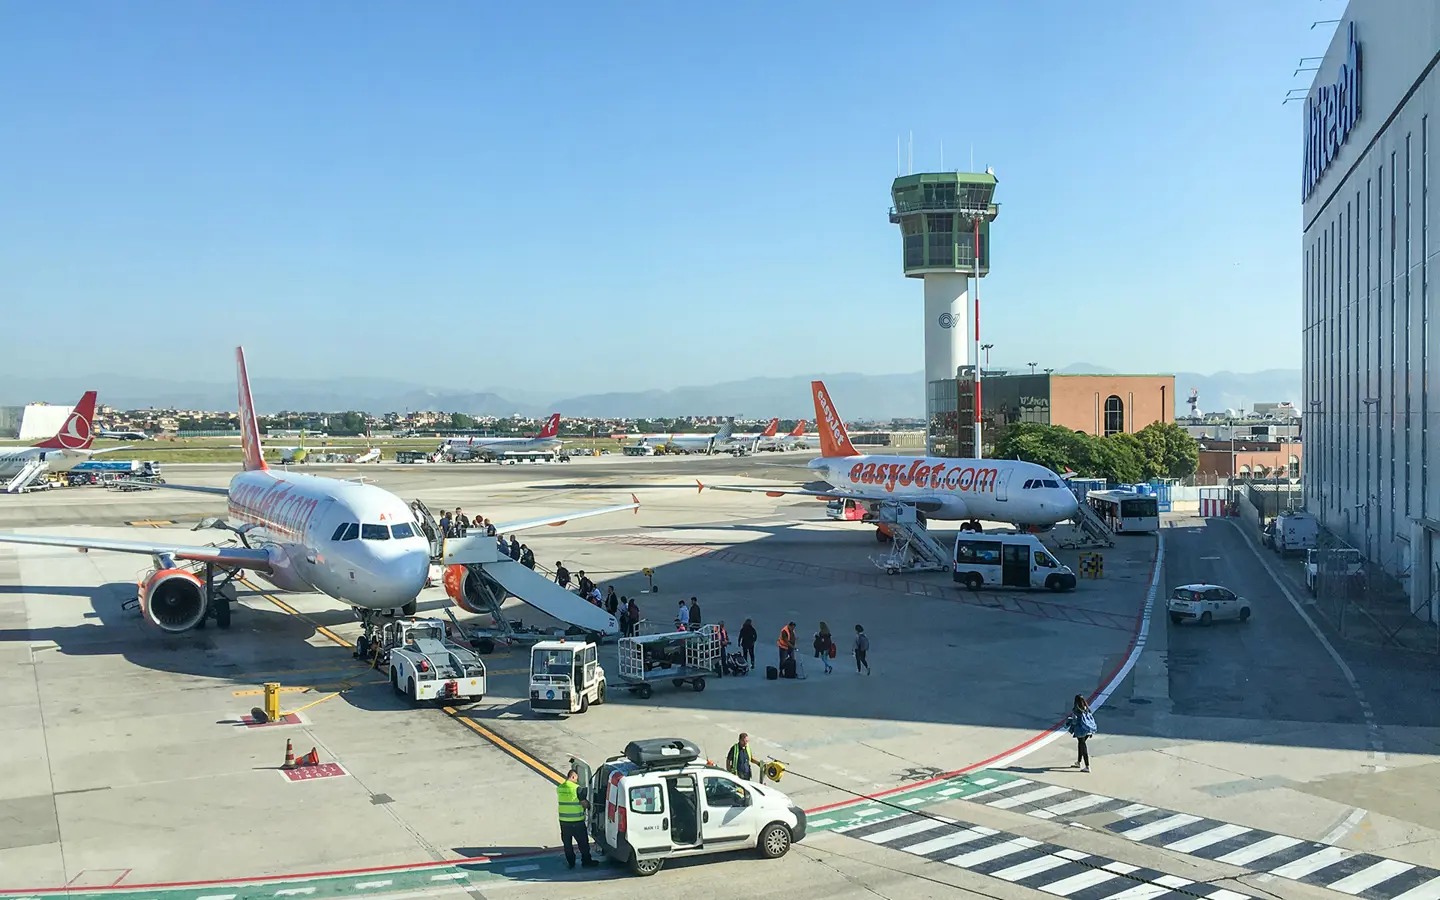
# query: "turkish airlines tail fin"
[249,426]
[770,429]
[799,429]
[79,429]
[552,427]
[834,441]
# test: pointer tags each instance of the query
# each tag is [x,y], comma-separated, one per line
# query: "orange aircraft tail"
[834,441]
[770,429]
[799,429]
[254,455]
[79,429]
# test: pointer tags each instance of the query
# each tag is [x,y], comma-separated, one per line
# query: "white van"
[662,800]
[1010,560]
[1294,532]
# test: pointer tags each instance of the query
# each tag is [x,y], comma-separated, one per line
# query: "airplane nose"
[400,578]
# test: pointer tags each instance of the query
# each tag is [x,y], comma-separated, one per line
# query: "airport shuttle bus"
[1008,560]
[1126,512]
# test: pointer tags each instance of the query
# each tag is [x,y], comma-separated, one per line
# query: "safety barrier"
[1092,565]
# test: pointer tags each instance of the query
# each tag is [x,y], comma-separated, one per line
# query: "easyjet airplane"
[355,542]
[546,440]
[69,447]
[796,439]
[995,490]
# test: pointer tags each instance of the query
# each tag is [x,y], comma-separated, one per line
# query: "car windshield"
[551,662]
[1185,594]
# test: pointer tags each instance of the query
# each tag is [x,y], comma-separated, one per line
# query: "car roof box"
[661,752]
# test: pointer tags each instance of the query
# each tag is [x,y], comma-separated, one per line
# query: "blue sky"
[635,195]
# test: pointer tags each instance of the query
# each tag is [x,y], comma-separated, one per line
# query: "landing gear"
[219,595]
[410,608]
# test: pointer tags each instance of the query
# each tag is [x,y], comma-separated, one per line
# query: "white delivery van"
[1294,532]
[662,800]
[1010,560]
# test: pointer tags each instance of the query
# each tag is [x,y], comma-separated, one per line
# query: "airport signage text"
[1331,112]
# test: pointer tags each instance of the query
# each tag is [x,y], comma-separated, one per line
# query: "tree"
[1119,457]
[461,422]
[1170,449]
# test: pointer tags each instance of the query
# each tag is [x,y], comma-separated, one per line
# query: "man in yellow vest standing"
[572,819]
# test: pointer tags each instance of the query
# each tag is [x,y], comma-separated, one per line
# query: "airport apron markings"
[549,865]
[1311,862]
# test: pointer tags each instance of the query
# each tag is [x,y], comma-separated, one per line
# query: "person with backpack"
[527,557]
[748,637]
[562,575]
[862,650]
[1081,725]
[824,646]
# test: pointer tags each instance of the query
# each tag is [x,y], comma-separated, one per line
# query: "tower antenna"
[942,155]
[897,154]
[910,155]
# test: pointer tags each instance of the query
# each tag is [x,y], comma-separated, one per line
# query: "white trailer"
[681,656]
[425,665]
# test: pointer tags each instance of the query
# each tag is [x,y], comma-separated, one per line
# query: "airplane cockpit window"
[1051,483]
[339,534]
[374,533]
[1028,485]
[401,531]
[352,531]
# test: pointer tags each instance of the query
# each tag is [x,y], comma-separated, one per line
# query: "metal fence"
[1366,599]
[1271,498]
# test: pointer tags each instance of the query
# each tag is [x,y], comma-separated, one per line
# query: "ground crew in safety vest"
[740,761]
[786,643]
[572,819]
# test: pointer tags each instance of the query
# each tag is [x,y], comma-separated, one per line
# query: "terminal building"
[1368,121]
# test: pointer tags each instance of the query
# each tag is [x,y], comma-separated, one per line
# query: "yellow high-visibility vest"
[567,798]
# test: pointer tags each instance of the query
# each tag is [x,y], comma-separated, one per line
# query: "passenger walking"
[682,618]
[1081,725]
[624,617]
[748,637]
[572,819]
[489,528]
[514,549]
[612,603]
[562,575]
[740,761]
[634,617]
[595,597]
[584,583]
[695,621]
[527,557]
[446,528]
[462,524]
[824,646]
[862,650]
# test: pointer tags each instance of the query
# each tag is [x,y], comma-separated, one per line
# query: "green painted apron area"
[541,867]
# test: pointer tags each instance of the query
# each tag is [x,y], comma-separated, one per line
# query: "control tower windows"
[1114,415]
[941,227]
[913,229]
[940,196]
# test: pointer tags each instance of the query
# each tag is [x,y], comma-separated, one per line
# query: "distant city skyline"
[592,200]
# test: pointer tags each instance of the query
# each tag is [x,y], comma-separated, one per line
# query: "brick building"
[1250,459]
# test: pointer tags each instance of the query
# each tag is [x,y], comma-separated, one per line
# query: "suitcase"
[771,673]
[787,668]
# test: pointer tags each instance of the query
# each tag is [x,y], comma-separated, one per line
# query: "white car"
[1205,603]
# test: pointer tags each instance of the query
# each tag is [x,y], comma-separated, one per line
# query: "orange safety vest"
[787,639]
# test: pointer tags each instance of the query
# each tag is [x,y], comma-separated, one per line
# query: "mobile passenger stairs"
[911,547]
[1089,531]
[34,470]
[490,577]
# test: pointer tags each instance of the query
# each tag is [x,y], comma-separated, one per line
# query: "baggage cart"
[682,657]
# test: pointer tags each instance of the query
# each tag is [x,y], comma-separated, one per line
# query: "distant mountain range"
[857,396]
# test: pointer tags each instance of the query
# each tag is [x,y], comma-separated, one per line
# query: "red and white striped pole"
[979,447]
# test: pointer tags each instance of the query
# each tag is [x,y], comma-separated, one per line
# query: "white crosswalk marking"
[1430,890]
[1370,876]
[986,854]
[1161,886]
[984,781]
[1030,869]
[1225,894]
[816,823]
[372,885]
[1007,786]
[1134,809]
[913,801]
[1074,806]
[1259,850]
[1067,886]
[1034,796]
[1206,838]
[1160,826]
[944,842]
[1312,863]
[900,831]
[447,876]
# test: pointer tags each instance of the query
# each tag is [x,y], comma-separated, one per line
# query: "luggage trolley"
[681,656]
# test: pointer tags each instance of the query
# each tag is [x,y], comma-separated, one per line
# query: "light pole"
[1032,367]
[987,348]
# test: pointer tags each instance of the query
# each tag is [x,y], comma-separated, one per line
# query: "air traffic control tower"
[944,220]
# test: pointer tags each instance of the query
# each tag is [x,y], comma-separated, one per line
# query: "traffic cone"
[289,756]
[310,759]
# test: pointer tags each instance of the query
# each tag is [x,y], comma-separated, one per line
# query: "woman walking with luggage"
[825,646]
[748,636]
[1081,725]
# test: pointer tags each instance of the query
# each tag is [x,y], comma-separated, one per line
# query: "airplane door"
[1015,565]
[1002,483]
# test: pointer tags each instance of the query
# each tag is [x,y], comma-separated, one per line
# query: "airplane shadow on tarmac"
[996,660]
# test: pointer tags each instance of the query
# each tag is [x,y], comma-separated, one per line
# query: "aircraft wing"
[561,519]
[194,488]
[239,557]
[922,503]
[113,449]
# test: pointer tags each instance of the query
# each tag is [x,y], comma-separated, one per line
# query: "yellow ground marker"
[153,523]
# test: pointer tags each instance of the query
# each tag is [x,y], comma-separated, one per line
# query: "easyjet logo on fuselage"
[277,506]
[921,473]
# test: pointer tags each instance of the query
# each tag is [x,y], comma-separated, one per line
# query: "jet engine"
[464,588]
[174,600]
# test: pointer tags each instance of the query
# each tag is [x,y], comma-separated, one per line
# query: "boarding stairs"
[912,547]
[33,471]
[1089,530]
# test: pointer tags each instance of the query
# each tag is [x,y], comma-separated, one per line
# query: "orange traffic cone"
[310,759]
[289,756]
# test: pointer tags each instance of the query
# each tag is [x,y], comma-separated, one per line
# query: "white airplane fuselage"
[296,518]
[997,490]
[500,446]
[13,460]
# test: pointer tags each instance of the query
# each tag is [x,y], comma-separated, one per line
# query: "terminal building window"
[1114,415]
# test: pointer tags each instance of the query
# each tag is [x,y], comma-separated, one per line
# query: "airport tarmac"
[128,768]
